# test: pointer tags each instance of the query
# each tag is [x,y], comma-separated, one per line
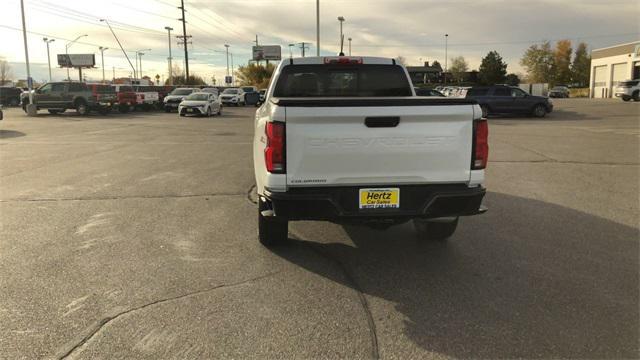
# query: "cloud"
[413,29]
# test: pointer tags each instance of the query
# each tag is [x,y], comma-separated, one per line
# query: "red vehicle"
[126,96]
[105,96]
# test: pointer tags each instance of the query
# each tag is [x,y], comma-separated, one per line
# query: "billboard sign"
[267,52]
[76,60]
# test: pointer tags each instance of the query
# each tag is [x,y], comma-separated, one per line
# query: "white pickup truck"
[345,139]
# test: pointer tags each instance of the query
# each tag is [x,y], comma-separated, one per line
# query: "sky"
[413,29]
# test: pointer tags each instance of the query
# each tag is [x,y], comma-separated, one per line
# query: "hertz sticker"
[380,198]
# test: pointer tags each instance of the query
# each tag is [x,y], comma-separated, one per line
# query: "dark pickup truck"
[57,97]
[500,99]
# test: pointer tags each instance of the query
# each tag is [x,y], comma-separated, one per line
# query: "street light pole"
[48,41]
[66,51]
[102,49]
[233,79]
[170,68]
[139,54]
[291,51]
[341,20]
[227,46]
[317,28]
[446,44]
[349,46]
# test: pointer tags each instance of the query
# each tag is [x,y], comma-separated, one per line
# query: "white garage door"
[620,73]
[600,76]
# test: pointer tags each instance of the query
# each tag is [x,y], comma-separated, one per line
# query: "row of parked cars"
[496,99]
[57,97]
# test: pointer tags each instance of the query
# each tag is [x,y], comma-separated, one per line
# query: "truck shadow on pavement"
[8,134]
[528,279]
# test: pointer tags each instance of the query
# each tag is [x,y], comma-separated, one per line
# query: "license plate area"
[379,198]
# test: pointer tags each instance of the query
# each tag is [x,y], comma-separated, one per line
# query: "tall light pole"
[349,46]
[290,50]
[227,46]
[317,28]
[446,44]
[119,44]
[341,20]
[170,68]
[139,54]
[31,108]
[233,78]
[66,51]
[102,49]
[48,41]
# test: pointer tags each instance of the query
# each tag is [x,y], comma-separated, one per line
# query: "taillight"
[274,153]
[480,144]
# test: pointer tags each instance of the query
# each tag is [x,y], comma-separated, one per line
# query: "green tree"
[539,61]
[492,69]
[255,75]
[512,79]
[458,68]
[562,59]
[580,68]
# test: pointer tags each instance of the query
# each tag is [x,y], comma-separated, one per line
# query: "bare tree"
[458,67]
[5,71]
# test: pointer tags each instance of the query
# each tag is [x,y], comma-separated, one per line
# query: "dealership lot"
[135,236]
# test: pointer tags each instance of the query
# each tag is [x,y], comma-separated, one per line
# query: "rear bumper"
[341,203]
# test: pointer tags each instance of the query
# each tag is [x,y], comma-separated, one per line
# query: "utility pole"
[119,44]
[32,110]
[170,68]
[446,43]
[349,46]
[317,27]
[290,51]
[258,62]
[233,78]
[102,49]
[184,35]
[48,41]
[303,47]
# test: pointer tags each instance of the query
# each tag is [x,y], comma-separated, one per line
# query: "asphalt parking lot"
[134,236]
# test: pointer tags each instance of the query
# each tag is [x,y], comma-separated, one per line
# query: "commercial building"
[424,74]
[611,65]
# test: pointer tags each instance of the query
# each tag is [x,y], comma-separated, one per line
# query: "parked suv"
[501,99]
[628,90]
[173,100]
[10,96]
[559,92]
[57,97]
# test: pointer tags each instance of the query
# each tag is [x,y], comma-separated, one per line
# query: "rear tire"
[271,232]
[539,111]
[626,98]
[435,229]
[82,108]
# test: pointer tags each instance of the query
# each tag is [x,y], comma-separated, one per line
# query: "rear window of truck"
[342,81]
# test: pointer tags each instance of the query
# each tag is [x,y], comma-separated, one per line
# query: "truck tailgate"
[341,145]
